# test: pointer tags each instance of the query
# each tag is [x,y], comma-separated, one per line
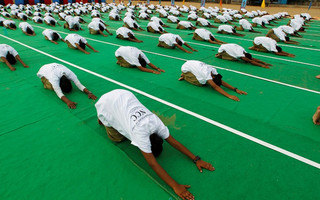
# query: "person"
[173,19]
[124,117]
[204,22]
[96,27]
[50,21]
[52,36]
[27,29]
[154,27]
[10,56]
[23,16]
[37,20]
[132,57]
[200,74]
[131,24]
[144,16]
[72,24]
[186,25]
[316,116]
[58,78]
[234,52]
[126,34]
[114,16]
[221,19]
[205,35]
[9,24]
[170,41]
[278,35]
[290,31]
[266,44]
[227,29]
[75,41]
[258,21]
[245,25]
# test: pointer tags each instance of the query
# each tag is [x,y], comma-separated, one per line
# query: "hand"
[265,66]
[91,96]
[182,192]
[155,72]
[12,68]
[72,105]
[26,66]
[291,55]
[111,33]
[241,92]
[188,52]
[203,164]
[160,70]
[87,52]
[195,50]
[234,98]
[96,51]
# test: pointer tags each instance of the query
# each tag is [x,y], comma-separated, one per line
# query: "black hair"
[29,31]
[53,23]
[217,79]
[263,23]
[1,23]
[101,27]
[130,36]
[135,25]
[82,45]
[117,17]
[142,61]
[161,23]
[212,38]
[76,27]
[161,29]
[24,17]
[156,144]
[248,55]
[234,30]
[179,42]
[55,36]
[279,49]
[287,38]
[13,25]
[65,84]
[11,59]
[178,20]
[302,29]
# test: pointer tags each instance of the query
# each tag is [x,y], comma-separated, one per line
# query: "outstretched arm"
[147,70]
[221,91]
[19,59]
[91,47]
[155,67]
[254,62]
[69,103]
[90,95]
[187,45]
[81,49]
[8,64]
[227,85]
[283,53]
[183,49]
[180,190]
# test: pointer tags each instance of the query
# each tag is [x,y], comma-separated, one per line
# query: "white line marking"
[238,72]
[210,121]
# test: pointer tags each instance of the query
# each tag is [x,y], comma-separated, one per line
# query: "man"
[227,29]
[10,56]
[72,24]
[186,25]
[75,41]
[124,117]
[96,27]
[200,74]
[235,52]
[278,35]
[126,34]
[131,24]
[9,24]
[173,19]
[170,41]
[27,29]
[266,44]
[245,25]
[155,27]
[50,21]
[205,35]
[58,78]
[52,36]
[204,22]
[132,57]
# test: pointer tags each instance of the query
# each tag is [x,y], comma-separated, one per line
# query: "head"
[101,27]
[82,45]
[1,23]
[55,36]
[179,42]
[135,25]
[279,49]
[76,27]
[65,84]
[161,29]
[142,61]
[29,31]
[53,23]
[248,55]
[24,18]
[161,23]
[11,59]
[156,144]
[212,38]
[39,20]
[263,23]
[217,79]
[12,26]
[287,38]
[117,18]
[234,30]
[302,29]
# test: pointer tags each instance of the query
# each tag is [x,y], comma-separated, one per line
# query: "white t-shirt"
[62,15]
[8,22]
[4,49]
[155,26]
[95,25]
[222,19]
[268,43]
[36,18]
[75,39]
[124,32]
[131,55]
[203,21]
[226,28]
[130,22]
[201,70]
[170,39]
[294,23]
[245,24]
[48,33]
[203,33]
[233,50]
[72,22]
[287,29]
[279,33]
[53,72]
[193,16]
[121,110]
[21,15]
[48,19]
[185,24]
[143,15]
[173,18]
[24,26]
[257,20]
